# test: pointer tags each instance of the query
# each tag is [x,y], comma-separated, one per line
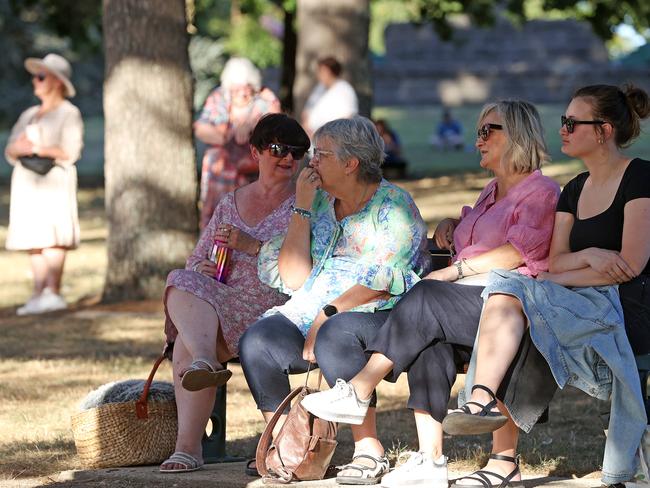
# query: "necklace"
[363,198]
[357,207]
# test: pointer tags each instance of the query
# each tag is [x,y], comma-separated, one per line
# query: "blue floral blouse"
[382,247]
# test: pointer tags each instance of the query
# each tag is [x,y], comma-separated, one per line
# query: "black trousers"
[429,332]
[271,350]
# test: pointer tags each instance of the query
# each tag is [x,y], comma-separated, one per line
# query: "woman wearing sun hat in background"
[43,208]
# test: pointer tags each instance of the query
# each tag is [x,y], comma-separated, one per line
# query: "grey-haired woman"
[225,124]
[355,243]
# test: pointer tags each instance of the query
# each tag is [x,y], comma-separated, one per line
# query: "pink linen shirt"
[523,218]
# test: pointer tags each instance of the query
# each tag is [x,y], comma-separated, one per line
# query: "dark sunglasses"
[571,123]
[279,150]
[40,76]
[484,131]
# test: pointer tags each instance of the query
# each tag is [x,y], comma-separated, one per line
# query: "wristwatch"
[330,310]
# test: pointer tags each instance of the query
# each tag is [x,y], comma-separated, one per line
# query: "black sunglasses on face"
[484,131]
[40,76]
[279,150]
[571,123]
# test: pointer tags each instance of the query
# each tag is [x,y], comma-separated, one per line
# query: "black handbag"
[38,164]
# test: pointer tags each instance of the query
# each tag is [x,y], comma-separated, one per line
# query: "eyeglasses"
[319,153]
[571,123]
[484,131]
[40,76]
[279,150]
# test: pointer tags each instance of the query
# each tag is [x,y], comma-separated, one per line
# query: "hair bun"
[638,100]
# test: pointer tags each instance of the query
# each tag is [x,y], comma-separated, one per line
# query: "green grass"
[413,124]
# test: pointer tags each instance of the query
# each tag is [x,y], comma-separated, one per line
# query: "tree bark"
[288,76]
[150,169]
[336,28]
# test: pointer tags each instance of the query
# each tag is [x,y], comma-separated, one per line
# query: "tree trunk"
[150,170]
[336,28]
[288,75]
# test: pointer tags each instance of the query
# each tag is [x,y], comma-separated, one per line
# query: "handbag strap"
[141,409]
[320,377]
[267,435]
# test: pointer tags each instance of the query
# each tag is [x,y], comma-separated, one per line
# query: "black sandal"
[251,468]
[482,475]
[464,422]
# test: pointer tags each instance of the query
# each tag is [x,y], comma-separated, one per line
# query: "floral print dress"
[229,166]
[382,247]
[243,297]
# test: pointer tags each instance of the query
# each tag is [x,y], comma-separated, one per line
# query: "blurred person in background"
[332,98]
[394,164]
[43,208]
[449,134]
[225,125]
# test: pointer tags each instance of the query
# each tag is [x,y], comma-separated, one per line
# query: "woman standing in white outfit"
[43,209]
[332,98]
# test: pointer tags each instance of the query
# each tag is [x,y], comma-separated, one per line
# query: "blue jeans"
[581,334]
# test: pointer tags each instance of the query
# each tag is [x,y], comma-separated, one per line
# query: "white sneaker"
[418,470]
[31,306]
[49,302]
[338,404]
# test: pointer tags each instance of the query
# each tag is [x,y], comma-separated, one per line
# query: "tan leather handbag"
[303,448]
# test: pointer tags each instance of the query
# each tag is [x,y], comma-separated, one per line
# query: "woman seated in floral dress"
[205,317]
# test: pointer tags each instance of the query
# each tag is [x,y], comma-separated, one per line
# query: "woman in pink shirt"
[433,327]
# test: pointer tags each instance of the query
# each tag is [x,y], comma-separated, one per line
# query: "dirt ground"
[49,363]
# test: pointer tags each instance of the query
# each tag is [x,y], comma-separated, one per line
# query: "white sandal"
[198,377]
[184,459]
[363,474]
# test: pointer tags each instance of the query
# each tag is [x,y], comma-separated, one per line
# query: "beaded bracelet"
[306,214]
[459,269]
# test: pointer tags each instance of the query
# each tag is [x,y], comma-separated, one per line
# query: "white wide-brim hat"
[55,64]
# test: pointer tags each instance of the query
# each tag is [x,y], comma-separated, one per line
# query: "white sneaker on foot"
[338,404]
[49,302]
[31,306]
[418,470]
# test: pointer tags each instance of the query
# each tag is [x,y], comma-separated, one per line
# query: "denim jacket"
[581,334]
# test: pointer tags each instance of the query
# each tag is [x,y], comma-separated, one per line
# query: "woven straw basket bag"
[126,434]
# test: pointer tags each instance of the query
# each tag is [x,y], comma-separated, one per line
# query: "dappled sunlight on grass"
[50,362]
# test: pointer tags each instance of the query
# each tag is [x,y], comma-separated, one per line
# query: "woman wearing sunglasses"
[229,114]
[355,242]
[206,317]
[573,313]
[433,327]
[43,208]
